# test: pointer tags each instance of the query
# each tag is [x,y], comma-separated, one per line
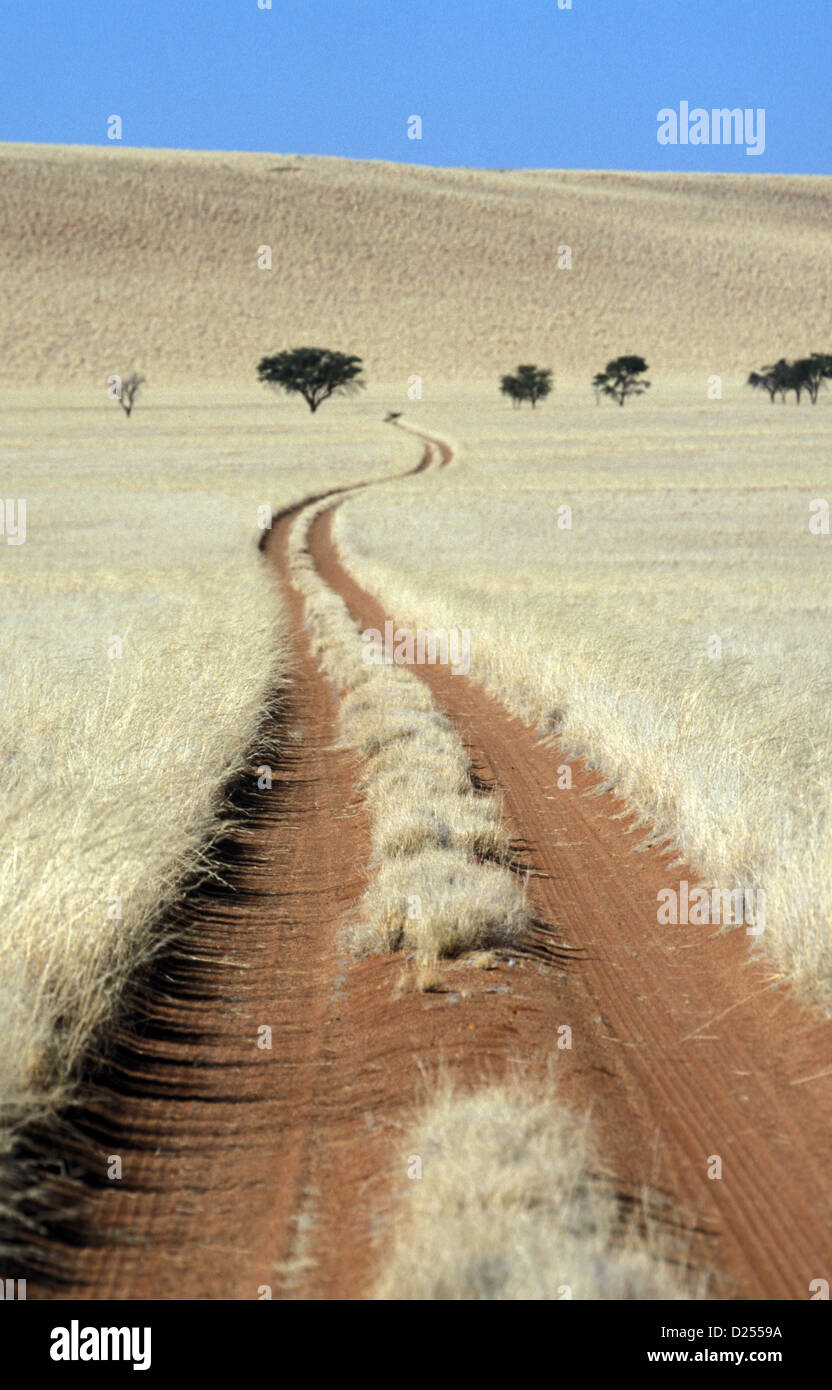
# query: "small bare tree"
[130,387]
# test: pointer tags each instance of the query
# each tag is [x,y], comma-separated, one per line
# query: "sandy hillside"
[115,257]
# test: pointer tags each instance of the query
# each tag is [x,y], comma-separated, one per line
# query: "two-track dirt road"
[249,1169]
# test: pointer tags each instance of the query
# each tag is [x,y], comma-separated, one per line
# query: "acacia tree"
[778,379]
[510,387]
[530,383]
[806,374]
[811,372]
[621,378]
[764,380]
[314,373]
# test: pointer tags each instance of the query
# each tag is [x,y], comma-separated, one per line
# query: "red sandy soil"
[248,1169]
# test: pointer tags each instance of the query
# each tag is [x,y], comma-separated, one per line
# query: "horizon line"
[409,164]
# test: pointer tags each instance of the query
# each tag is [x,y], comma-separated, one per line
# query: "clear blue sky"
[499,83]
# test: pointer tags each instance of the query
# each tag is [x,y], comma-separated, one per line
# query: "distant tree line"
[318,373]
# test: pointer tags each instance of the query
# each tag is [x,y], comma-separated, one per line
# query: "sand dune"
[117,257]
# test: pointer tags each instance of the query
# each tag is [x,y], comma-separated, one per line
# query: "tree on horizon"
[128,390]
[530,383]
[811,372]
[314,373]
[620,378]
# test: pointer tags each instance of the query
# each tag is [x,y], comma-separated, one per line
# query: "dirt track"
[246,1167]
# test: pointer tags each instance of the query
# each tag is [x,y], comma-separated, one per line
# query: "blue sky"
[501,83]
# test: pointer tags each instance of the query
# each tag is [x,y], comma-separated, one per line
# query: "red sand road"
[245,1168]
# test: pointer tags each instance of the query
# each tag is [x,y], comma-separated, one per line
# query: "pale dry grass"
[677,636]
[439,902]
[441,819]
[434,889]
[448,273]
[506,1207]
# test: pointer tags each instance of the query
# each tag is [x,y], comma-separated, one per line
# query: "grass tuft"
[507,1207]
